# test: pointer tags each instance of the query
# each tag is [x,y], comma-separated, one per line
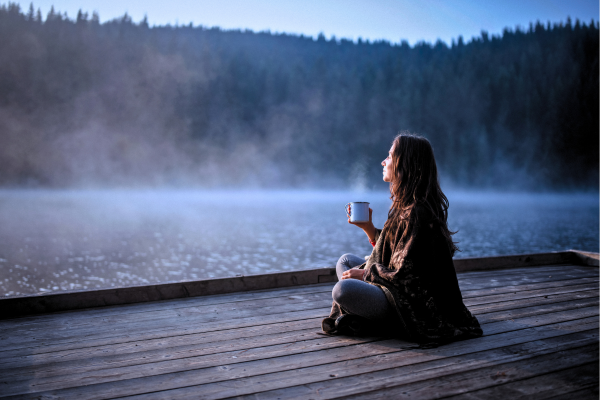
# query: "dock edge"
[17,306]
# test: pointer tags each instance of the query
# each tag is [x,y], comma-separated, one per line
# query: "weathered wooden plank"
[204,343]
[183,323]
[527,294]
[107,357]
[583,298]
[488,315]
[493,328]
[468,292]
[201,341]
[75,378]
[432,371]
[108,330]
[36,338]
[91,348]
[500,282]
[70,321]
[332,377]
[173,304]
[278,352]
[160,328]
[55,363]
[259,353]
[303,301]
[527,270]
[588,393]
[534,275]
[586,257]
[72,318]
[524,260]
[71,300]
[559,383]
[13,343]
[426,380]
[52,302]
[518,275]
[477,279]
[249,378]
[480,378]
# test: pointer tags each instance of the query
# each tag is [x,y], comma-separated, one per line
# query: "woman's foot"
[328,325]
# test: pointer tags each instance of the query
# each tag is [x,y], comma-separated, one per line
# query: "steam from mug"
[358,211]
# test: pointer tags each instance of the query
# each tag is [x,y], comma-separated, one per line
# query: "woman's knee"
[348,261]
[342,265]
[360,298]
[342,291]
[345,260]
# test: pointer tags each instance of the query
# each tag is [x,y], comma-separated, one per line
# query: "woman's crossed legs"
[359,297]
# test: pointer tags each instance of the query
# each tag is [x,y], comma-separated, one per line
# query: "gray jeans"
[359,297]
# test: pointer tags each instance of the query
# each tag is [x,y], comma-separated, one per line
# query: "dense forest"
[88,104]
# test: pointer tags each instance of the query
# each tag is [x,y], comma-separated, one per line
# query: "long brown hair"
[415,183]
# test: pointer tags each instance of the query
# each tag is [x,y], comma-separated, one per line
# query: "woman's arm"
[373,234]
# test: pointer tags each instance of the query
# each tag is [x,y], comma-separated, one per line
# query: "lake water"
[64,240]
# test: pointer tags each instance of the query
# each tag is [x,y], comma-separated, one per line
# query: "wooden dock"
[539,314]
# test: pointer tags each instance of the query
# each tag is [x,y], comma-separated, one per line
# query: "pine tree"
[81,17]
[51,14]
[31,13]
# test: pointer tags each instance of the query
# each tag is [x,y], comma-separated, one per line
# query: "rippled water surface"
[63,240]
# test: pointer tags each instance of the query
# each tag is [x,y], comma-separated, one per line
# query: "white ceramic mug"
[358,212]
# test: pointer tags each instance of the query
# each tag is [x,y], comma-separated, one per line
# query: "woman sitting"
[408,286]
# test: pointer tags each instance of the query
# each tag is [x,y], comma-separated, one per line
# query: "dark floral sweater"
[421,286]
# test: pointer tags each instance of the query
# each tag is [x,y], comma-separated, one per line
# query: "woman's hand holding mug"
[366,226]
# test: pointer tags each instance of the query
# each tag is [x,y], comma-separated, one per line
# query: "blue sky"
[392,20]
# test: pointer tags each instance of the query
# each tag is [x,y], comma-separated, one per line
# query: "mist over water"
[71,240]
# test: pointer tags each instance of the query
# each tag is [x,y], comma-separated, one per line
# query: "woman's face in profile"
[387,167]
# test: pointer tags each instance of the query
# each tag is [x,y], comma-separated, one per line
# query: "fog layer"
[53,240]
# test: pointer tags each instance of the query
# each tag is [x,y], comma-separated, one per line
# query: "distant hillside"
[122,103]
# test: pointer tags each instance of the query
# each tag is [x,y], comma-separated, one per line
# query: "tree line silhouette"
[84,103]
